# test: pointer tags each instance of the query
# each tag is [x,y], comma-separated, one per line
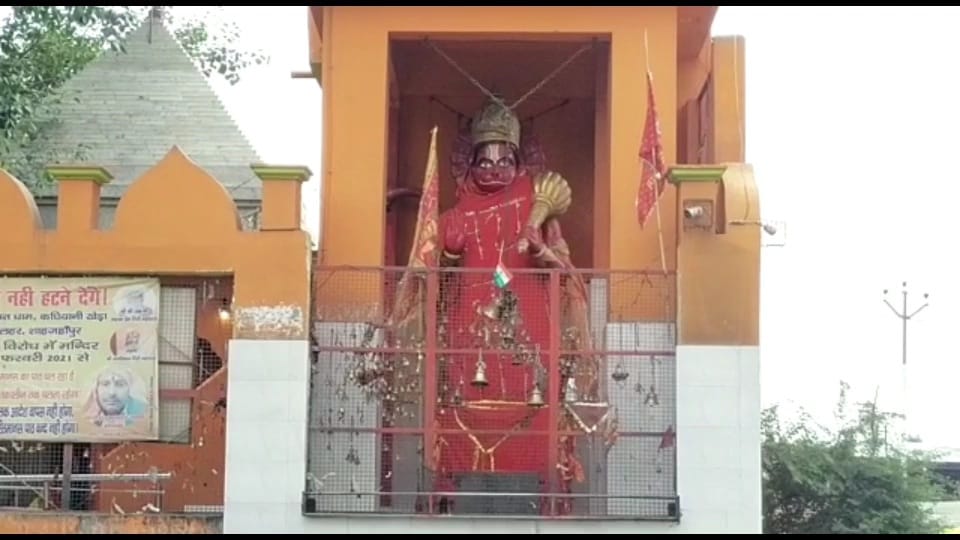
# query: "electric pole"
[904,315]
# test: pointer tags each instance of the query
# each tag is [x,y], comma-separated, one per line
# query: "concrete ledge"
[35,522]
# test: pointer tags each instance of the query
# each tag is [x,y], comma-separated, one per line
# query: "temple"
[536,292]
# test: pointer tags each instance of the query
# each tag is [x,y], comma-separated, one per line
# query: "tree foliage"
[853,479]
[42,47]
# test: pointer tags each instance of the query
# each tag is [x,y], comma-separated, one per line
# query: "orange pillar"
[78,197]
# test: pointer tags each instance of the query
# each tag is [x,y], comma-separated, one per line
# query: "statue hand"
[454,238]
[531,240]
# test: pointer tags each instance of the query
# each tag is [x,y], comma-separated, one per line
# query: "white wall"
[267,387]
[718,438]
[718,455]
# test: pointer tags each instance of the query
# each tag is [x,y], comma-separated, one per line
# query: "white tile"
[268,442]
[708,406]
[269,360]
[254,518]
[709,446]
[710,488]
[257,401]
[298,400]
[291,360]
[295,435]
[249,482]
[708,366]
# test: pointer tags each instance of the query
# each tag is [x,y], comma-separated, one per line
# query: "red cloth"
[653,175]
[489,221]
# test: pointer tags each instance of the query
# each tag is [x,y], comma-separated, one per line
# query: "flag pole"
[656,203]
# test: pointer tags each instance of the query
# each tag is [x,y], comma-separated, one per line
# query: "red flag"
[653,172]
[424,253]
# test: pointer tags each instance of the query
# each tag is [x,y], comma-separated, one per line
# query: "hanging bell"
[570,392]
[620,374]
[492,310]
[480,375]
[457,399]
[536,397]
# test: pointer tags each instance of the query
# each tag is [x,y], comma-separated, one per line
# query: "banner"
[78,359]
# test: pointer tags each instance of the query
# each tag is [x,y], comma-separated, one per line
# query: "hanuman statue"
[502,228]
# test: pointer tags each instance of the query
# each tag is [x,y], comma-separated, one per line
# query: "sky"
[848,119]
[848,122]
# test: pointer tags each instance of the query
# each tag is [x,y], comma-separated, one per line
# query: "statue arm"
[553,252]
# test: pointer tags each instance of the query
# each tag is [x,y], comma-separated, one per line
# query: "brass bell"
[492,310]
[570,392]
[480,375]
[536,397]
[620,374]
[457,399]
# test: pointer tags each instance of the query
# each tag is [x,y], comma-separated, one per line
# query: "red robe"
[491,222]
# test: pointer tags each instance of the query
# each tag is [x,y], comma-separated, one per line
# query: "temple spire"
[155,17]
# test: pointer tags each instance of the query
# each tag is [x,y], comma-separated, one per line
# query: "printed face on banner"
[79,359]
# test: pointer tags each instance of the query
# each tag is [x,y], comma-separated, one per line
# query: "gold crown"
[495,123]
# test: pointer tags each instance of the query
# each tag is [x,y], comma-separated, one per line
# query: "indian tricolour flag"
[501,276]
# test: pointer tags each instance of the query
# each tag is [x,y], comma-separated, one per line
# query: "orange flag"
[653,170]
[425,250]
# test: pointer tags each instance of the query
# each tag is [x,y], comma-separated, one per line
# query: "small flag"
[653,170]
[668,439]
[501,275]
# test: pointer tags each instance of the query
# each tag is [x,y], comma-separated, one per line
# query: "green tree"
[41,47]
[853,479]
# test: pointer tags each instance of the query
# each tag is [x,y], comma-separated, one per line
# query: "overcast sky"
[850,115]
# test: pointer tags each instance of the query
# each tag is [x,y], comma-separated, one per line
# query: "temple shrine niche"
[468,343]
[513,364]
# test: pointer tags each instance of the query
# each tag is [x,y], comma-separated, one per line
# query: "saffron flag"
[653,171]
[424,253]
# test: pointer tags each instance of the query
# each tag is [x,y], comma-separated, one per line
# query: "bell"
[457,399]
[536,397]
[492,310]
[480,376]
[570,392]
[620,374]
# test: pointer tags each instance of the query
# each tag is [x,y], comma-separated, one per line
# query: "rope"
[464,72]
[497,99]
[460,114]
[552,74]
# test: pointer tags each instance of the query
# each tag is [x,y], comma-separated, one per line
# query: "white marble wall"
[267,395]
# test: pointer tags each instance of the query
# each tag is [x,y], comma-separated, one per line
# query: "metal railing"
[47,491]
[441,393]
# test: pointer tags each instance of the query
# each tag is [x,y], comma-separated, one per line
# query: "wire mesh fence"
[444,392]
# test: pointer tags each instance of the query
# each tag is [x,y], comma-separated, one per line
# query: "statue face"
[494,167]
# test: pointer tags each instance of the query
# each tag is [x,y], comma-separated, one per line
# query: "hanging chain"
[494,97]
